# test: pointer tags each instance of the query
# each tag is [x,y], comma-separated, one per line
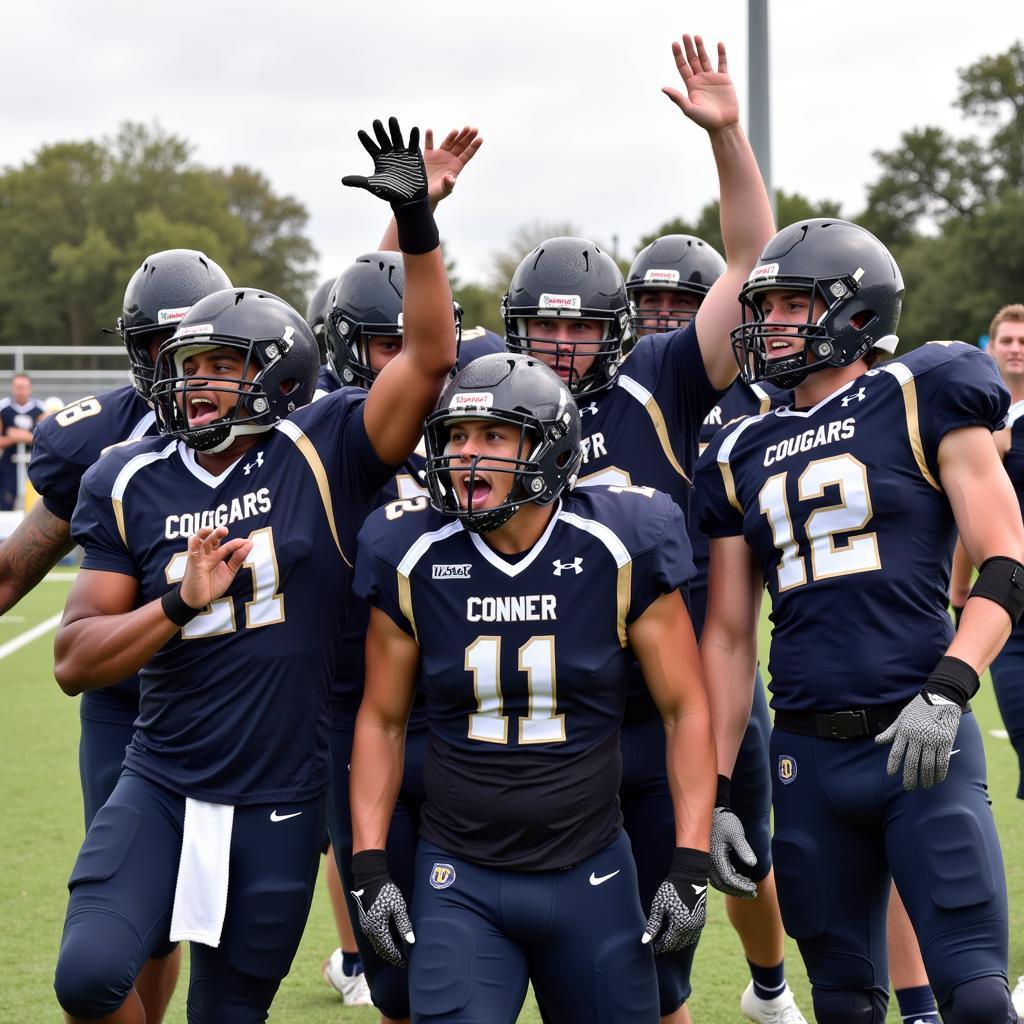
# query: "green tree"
[79,217]
[524,239]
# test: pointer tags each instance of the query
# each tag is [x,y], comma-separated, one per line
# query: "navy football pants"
[122,893]
[389,985]
[483,933]
[842,824]
[649,822]
[1008,682]
[101,750]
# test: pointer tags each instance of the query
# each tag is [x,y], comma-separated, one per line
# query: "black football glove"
[679,907]
[728,837]
[923,734]
[399,176]
[381,904]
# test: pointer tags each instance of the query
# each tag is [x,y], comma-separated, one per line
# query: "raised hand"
[211,565]
[399,176]
[445,164]
[710,98]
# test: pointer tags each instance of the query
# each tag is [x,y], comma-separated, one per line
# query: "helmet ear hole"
[861,319]
[289,385]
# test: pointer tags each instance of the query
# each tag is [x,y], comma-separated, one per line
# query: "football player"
[522,870]
[316,314]
[228,767]
[67,443]
[845,505]
[19,414]
[666,284]
[567,305]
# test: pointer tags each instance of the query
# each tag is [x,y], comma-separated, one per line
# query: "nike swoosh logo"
[952,752]
[698,889]
[274,816]
[595,880]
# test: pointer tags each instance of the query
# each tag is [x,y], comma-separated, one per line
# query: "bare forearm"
[746,212]
[984,628]
[729,670]
[690,757]
[429,322]
[378,756]
[99,650]
[35,547]
[960,578]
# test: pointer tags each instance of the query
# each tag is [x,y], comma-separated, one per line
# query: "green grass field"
[42,830]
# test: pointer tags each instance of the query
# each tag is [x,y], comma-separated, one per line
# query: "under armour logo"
[576,565]
[254,465]
[857,396]
[592,409]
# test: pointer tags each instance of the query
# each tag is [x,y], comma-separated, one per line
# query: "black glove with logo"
[679,909]
[381,905]
[728,837]
[400,179]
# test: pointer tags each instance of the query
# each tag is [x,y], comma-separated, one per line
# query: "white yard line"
[29,635]
[59,577]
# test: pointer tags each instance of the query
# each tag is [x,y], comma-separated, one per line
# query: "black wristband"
[722,791]
[175,609]
[953,679]
[417,232]
[690,863]
[369,866]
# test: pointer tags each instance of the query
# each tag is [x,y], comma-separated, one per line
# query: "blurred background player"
[19,414]
[522,773]
[567,306]
[846,506]
[68,442]
[666,284]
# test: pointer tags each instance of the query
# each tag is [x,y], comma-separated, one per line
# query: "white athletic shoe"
[780,1010]
[353,990]
[1017,996]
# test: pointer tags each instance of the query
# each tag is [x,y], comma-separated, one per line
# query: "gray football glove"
[381,904]
[679,907]
[728,837]
[922,738]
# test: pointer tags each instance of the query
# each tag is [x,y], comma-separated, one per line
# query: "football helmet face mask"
[366,302]
[681,264]
[515,389]
[158,295]
[280,362]
[316,315]
[570,277]
[857,282]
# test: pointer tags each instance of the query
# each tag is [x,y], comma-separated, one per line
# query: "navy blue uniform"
[645,430]
[389,985]
[66,445]
[842,506]
[524,669]
[1008,668]
[23,417]
[234,710]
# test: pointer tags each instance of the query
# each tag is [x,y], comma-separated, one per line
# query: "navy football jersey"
[525,664]
[66,444]
[740,400]
[235,708]
[24,417]
[1014,458]
[843,509]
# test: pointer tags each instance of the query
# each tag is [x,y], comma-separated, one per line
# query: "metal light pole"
[759,67]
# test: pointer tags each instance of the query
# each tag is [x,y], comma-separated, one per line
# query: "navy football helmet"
[316,316]
[570,277]
[510,388]
[683,264]
[158,296]
[849,271]
[278,376]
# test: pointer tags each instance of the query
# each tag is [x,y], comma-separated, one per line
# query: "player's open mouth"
[780,347]
[201,410]
[475,493]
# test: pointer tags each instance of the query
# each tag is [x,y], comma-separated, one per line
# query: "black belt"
[840,725]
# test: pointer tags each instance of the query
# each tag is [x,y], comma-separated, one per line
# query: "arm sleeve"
[713,509]
[376,580]
[663,567]
[94,526]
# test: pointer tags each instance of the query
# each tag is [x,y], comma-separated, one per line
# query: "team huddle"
[484,611]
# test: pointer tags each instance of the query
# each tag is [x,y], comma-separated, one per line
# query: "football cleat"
[780,1010]
[352,988]
[1018,996]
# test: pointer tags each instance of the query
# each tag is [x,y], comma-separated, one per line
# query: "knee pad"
[440,967]
[980,1001]
[96,967]
[850,1006]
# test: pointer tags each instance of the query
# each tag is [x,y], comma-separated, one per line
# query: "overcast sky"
[565,93]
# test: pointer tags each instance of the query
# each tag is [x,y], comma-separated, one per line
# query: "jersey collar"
[188,458]
[515,568]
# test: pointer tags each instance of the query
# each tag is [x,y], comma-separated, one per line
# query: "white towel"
[201,894]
